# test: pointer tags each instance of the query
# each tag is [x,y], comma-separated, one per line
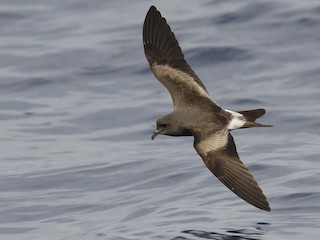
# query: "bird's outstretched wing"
[168,64]
[219,153]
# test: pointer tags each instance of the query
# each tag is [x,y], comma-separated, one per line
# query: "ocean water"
[78,105]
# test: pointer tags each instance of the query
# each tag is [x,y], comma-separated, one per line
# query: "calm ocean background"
[78,105]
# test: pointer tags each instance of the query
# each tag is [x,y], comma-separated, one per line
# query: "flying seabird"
[196,114]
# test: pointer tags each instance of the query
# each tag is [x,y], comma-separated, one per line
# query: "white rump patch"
[238,120]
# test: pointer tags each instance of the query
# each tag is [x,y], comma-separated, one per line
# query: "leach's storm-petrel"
[196,114]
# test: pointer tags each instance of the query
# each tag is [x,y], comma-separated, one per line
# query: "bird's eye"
[164,124]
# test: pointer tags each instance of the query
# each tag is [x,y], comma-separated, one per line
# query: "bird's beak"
[155,133]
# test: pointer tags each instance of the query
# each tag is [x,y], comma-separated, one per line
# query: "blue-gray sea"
[78,104]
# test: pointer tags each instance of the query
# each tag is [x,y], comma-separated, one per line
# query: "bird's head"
[170,125]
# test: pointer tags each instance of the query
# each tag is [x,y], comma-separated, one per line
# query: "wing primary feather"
[225,164]
[162,49]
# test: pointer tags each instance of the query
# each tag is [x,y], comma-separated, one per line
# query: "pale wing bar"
[167,60]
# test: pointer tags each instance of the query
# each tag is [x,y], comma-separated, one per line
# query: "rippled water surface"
[78,104]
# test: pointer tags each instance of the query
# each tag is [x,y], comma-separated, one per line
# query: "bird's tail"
[251,116]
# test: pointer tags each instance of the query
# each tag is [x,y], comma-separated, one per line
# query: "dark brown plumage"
[195,113]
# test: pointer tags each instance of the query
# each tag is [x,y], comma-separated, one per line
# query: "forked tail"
[251,116]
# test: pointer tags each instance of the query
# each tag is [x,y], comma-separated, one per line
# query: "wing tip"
[152,10]
[263,206]
[268,209]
